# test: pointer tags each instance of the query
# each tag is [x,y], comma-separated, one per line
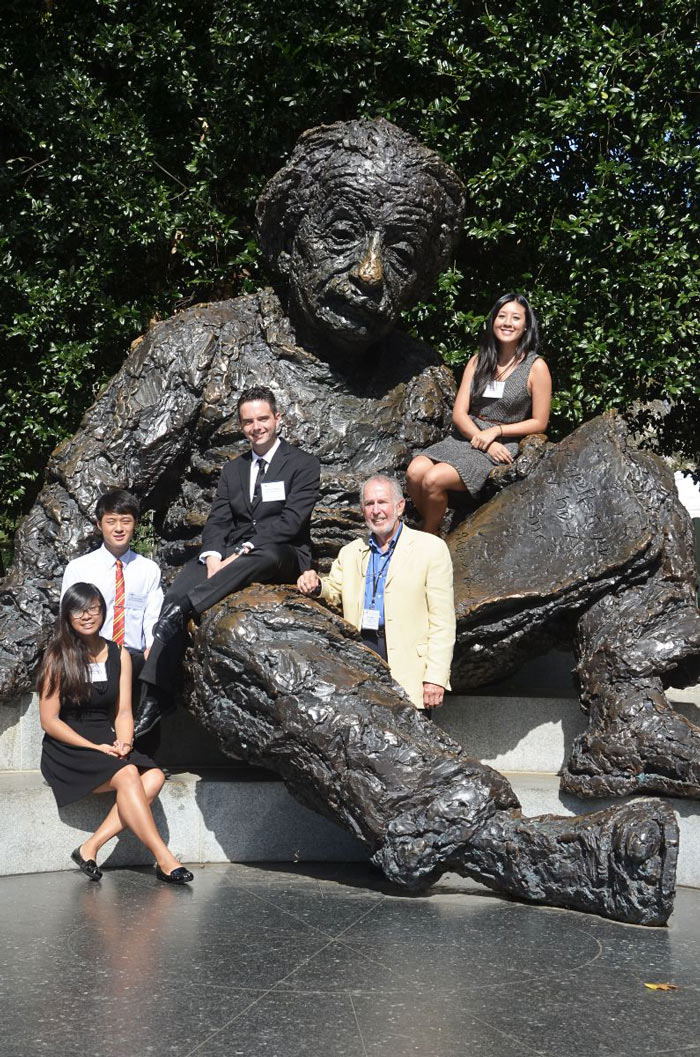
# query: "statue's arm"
[138,428]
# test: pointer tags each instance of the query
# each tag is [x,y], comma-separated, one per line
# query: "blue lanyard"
[376,580]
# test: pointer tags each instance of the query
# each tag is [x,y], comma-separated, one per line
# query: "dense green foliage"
[138,135]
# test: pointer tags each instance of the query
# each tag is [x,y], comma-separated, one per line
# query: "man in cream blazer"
[396,588]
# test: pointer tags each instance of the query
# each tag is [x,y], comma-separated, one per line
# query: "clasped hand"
[485,440]
[117,748]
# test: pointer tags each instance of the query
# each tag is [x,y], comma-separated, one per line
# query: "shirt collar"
[268,456]
[109,559]
[373,545]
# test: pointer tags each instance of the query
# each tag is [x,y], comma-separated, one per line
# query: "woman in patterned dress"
[505,395]
[84,689]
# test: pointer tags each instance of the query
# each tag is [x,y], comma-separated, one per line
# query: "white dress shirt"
[143,594]
[254,469]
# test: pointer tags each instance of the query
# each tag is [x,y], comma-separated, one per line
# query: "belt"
[371,633]
[483,418]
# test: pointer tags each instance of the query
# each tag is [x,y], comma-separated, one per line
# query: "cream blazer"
[419,606]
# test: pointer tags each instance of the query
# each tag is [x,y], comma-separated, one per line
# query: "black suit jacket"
[234,520]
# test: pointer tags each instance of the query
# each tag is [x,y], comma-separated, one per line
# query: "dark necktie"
[257,490]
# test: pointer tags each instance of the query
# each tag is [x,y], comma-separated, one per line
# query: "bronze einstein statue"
[594,547]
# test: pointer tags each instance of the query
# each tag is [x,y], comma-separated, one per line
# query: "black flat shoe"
[179,876]
[88,866]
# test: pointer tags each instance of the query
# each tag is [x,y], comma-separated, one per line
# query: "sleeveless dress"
[73,771]
[515,405]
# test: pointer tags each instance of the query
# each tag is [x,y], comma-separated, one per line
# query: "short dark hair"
[117,501]
[257,392]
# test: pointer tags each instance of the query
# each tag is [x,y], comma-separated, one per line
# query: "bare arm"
[460,413]
[539,386]
[124,720]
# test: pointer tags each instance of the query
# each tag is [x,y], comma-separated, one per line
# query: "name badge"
[370,619]
[494,390]
[272,491]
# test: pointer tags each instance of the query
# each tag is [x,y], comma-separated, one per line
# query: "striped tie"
[118,625]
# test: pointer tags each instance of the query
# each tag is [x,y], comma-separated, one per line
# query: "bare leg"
[438,479]
[135,813]
[113,824]
[415,473]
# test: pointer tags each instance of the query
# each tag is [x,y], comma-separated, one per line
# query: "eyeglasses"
[87,614]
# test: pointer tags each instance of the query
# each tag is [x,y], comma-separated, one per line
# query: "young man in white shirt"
[129,582]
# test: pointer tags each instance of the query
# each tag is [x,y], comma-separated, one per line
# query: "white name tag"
[370,619]
[273,491]
[494,389]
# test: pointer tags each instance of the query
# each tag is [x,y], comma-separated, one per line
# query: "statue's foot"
[619,863]
[647,749]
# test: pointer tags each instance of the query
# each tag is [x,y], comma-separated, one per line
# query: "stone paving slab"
[329,961]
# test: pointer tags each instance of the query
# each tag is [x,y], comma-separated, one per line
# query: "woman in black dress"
[84,689]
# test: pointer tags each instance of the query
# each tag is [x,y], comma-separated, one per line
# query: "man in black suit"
[257,532]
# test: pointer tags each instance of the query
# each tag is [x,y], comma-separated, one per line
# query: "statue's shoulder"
[173,340]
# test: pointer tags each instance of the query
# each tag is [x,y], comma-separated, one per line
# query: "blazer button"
[255,522]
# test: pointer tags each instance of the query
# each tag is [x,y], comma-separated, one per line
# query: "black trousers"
[195,592]
[149,743]
[375,641]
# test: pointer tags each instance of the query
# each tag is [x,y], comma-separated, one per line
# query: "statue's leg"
[283,683]
[620,863]
[627,644]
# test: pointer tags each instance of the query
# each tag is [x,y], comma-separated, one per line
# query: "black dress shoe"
[179,876]
[88,866]
[150,711]
[172,620]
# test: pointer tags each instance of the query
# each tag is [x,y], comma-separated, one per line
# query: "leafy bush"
[139,136]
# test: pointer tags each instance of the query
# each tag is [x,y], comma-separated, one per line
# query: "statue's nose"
[370,271]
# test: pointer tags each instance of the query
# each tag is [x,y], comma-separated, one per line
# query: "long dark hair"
[487,362]
[65,664]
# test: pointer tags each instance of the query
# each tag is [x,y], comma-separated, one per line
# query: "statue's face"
[356,257]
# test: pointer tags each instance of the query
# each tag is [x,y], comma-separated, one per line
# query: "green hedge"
[139,134]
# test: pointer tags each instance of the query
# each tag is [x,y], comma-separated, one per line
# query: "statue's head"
[360,222]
